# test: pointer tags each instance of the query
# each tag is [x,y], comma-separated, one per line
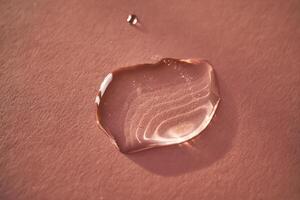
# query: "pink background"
[53,55]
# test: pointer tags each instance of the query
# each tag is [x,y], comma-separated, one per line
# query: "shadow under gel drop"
[153,105]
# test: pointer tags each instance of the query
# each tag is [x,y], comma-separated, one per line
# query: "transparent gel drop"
[152,105]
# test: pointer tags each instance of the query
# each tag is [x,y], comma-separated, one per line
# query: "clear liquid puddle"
[151,105]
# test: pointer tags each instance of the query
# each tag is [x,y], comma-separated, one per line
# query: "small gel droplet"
[132,19]
[139,113]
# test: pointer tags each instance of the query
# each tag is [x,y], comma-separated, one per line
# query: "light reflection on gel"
[152,105]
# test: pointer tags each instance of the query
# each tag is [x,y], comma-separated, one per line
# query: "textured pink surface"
[53,55]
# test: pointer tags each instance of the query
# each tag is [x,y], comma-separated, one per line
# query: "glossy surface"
[151,105]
